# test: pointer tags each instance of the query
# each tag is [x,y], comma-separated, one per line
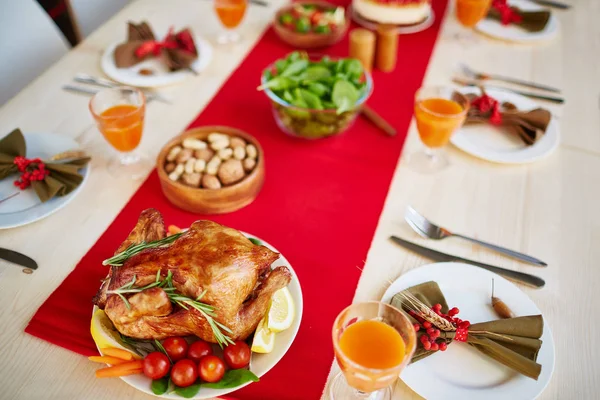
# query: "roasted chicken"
[234,274]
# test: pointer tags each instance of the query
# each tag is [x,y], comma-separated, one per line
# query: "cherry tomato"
[237,355]
[198,350]
[156,365]
[176,348]
[316,17]
[211,369]
[184,373]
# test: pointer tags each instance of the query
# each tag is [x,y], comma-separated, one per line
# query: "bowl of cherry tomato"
[311,24]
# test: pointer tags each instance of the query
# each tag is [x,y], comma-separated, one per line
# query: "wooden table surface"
[549,209]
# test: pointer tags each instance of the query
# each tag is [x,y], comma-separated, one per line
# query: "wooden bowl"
[309,40]
[212,201]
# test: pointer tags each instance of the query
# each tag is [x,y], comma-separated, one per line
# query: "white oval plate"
[461,372]
[489,143]
[515,34]
[401,29]
[162,77]
[260,364]
[26,207]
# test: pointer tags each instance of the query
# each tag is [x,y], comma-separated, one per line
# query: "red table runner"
[319,206]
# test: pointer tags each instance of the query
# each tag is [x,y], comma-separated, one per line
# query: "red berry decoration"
[437,307]
[426,324]
[424,339]
[435,334]
[417,327]
[453,311]
[427,345]
[435,346]
[443,346]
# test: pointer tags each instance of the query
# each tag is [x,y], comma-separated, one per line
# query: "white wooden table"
[549,209]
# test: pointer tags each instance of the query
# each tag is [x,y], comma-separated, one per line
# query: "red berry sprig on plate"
[430,339]
[31,170]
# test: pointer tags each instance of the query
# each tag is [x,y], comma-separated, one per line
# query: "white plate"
[489,143]
[27,207]
[260,363]
[162,76]
[515,34]
[462,372]
[401,29]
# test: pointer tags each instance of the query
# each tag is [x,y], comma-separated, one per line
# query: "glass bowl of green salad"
[314,96]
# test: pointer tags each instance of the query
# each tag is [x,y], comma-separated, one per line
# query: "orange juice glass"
[373,342]
[470,12]
[439,112]
[119,114]
[230,13]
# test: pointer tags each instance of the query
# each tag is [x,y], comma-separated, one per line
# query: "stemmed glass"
[373,342]
[231,13]
[119,114]
[439,112]
[469,13]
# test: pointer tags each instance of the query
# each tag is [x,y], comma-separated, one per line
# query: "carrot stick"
[119,353]
[107,360]
[128,368]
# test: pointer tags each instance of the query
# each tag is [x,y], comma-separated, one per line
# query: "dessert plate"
[462,372]
[162,76]
[260,364]
[489,143]
[26,207]
[513,33]
[401,29]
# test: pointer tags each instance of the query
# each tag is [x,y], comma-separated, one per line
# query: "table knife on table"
[522,277]
[550,3]
[17,258]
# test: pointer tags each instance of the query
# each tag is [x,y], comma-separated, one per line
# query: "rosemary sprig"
[119,259]
[206,310]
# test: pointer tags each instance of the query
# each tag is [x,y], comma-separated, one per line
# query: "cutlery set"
[427,229]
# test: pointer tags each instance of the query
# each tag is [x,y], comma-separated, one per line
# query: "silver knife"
[550,3]
[17,258]
[85,90]
[439,256]
[92,80]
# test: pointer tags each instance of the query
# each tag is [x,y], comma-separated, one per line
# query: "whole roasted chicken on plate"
[210,263]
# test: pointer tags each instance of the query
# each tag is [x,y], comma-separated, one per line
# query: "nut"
[204,154]
[249,164]
[174,176]
[173,153]
[194,144]
[199,166]
[239,153]
[213,165]
[184,155]
[251,151]
[210,182]
[225,154]
[169,167]
[237,142]
[220,144]
[189,165]
[216,136]
[231,171]
[192,179]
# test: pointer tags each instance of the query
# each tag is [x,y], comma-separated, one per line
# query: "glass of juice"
[119,114]
[470,12]
[439,112]
[230,13]
[373,342]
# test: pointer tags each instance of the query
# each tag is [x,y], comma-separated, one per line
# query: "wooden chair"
[87,15]
[29,43]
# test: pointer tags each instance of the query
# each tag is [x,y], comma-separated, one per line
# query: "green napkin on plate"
[514,342]
[64,168]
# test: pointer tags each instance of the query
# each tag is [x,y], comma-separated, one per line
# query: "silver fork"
[427,229]
[480,76]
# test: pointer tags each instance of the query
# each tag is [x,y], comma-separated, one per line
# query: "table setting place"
[237,268]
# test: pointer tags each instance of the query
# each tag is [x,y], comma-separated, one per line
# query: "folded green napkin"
[64,176]
[514,342]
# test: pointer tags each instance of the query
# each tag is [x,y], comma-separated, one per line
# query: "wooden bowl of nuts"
[211,170]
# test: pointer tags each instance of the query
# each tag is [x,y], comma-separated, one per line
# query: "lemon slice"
[264,339]
[105,334]
[281,313]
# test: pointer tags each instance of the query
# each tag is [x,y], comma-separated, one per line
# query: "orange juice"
[122,126]
[470,12]
[373,344]
[230,12]
[437,119]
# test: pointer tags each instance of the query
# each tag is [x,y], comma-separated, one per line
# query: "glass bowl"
[312,123]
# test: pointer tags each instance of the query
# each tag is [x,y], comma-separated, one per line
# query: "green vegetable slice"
[255,241]
[316,72]
[233,378]
[353,68]
[287,96]
[160,386]
[278,83]
[344,96]
[295,68]
[280,65]
[312,100]
[189,391]
[318,88]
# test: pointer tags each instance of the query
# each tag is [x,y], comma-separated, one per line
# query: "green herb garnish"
[119,259]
